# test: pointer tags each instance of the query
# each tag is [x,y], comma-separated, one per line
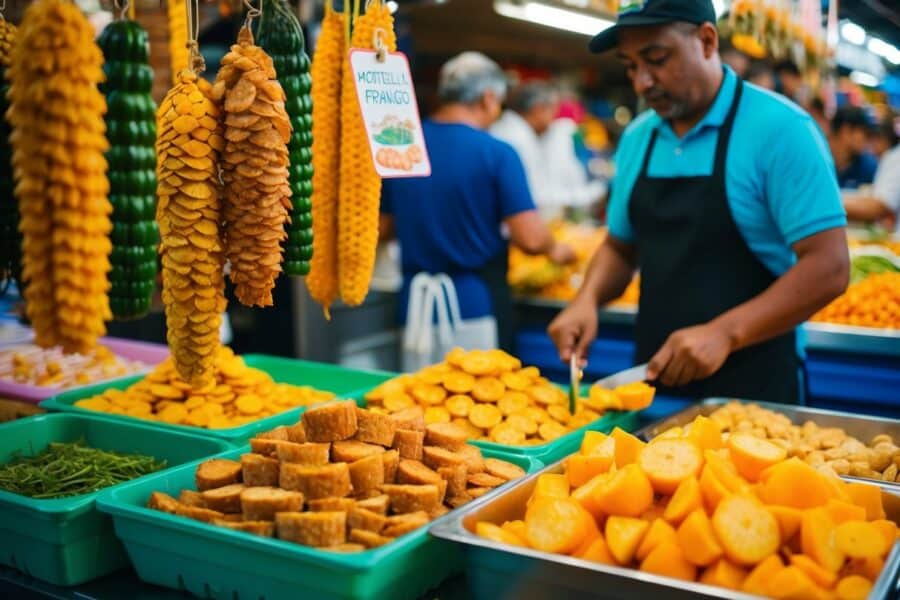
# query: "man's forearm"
[815,280]
[865,208]
[609,273]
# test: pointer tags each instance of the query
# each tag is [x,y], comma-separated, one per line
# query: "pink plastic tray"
[151,354]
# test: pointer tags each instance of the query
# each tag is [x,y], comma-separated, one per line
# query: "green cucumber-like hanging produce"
[131,130]
[279,34]
[10,238]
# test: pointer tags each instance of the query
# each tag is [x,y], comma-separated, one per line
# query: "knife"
[575,375]
[638,373]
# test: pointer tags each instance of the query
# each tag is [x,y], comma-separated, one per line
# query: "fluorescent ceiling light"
[883,49]
[853,33]
[552,16]
[863,78]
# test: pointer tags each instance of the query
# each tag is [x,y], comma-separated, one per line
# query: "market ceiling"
[880,18]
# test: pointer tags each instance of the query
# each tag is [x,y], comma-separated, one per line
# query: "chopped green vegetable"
[72,469]
[864,265]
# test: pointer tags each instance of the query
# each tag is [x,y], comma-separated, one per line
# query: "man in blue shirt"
[725,198]
[451,222]
[849,141]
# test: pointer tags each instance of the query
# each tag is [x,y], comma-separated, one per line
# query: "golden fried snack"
[189,213]
[254,168]
[56,113]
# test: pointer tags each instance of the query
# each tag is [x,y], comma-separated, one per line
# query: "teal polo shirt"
[779,174]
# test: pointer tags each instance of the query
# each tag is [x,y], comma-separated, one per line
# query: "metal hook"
[252,12]
[378,42]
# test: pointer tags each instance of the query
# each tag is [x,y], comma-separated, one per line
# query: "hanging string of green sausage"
[131,130]
[279,34]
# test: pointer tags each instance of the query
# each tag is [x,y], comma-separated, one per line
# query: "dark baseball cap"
[638,13]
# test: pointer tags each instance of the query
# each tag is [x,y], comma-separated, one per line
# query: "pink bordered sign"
[387,99]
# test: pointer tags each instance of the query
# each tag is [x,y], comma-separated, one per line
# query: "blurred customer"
[849,141]
[734,58]
[761,74]
[450,223]
[790,82]
[546,146]
[880,202]
[884,136]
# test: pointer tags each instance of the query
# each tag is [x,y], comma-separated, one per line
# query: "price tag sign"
[387,100]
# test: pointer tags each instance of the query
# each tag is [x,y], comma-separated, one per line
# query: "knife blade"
[575,375]
[637,373]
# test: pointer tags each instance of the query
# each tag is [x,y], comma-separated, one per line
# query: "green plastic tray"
[565,445]
[560,447]
[212,562]
[68,541]
[322,376]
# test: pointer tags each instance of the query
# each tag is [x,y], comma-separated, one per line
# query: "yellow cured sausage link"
[58,139]
[360,185]
[322,280]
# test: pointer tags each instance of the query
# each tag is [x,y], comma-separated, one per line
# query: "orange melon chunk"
[660,531]
[752,455]
[623,536]
[684,501]
[697,539]
[669,462]
[668,559]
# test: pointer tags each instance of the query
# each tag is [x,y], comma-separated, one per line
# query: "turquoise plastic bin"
[67,541]
[322,376]
[213,562]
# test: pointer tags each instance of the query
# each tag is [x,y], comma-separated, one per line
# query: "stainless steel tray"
[500,572]
[862,427]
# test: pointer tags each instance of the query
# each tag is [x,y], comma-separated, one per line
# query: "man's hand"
[573,330]
[561,254]
[690,354]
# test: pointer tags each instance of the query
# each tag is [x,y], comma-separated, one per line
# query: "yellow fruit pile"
[236,395]
[537,276]
[360,185]
[322,280]
[189,217]
[56,112]
[254,169]
[731,511]
[176,11]
[872,302]
[490,396]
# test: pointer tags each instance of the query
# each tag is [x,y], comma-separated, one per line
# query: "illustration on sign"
[388,103]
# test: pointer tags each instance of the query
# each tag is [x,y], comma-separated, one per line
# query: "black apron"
[695,265]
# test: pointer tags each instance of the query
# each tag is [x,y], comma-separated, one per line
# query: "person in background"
[849,142]
[884,136]
[734,58]
[725,199]
[545,145]
[880,202]
[761,74]
[452,221]
[790,81]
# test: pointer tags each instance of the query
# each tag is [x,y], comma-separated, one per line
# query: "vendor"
[726,200]
[452,222]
